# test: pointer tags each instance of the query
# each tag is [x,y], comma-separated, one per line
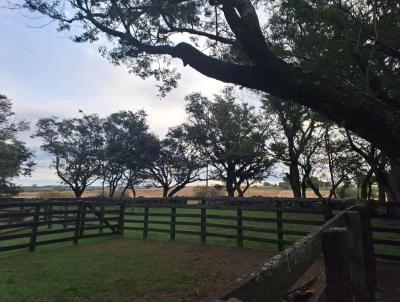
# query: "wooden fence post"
[335,245]
[101,230]
[145,222]
[279,229]
[173,224]
[49,216]
[357,258]
[239,225]
[34,228]
[78,222]
[203,225]
[83,216]
[65,216]
[368,250]
[121,221]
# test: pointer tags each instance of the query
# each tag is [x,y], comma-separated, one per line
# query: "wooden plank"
[335,244]
[239,226]
[386,242]
[34,229]
[146,222]
[203,227]
[279,228]
[172,224]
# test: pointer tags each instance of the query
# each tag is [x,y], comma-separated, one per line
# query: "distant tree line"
[240,144]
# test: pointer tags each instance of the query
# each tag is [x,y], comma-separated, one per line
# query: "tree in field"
[232,137]
[294,142]
[339,58]
[129,148]
[15,157]
[178,163]
[342,164]
[75,146]
[378,167]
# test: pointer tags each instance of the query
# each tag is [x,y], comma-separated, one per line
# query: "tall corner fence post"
[335,246]
[279,229]
[203,225]
[357,258]
[146,222]
[368,246]
[172,224]
[121,220]
[239,227]
[78,221]
[35,223]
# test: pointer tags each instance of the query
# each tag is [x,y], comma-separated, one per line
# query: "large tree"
[240,52]
[232,137]
[129,148]
[15,157]
[294,129]
[177,165]
[76,147]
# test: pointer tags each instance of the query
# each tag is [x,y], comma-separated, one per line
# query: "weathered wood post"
[78,221]
[368,246]
[357,258]
[83,218]
[121,220]
[172,224]
[279,229]
[65,225]
[35,223]
[101,230]
[145,222]
[203,225]
[335,245]
[239,225]
[49,216]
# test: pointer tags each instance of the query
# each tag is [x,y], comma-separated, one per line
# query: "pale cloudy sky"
[44,73]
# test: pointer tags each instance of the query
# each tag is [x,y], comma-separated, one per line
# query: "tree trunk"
[124,190]
[165,191]
[303,188]
[365,185]
[230,180]
[395,178]
[294,179]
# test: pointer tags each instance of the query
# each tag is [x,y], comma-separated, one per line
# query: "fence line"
[97,217]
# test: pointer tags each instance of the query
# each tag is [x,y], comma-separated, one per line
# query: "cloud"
[46,74]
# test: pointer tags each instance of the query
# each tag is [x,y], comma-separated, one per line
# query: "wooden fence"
[274,221]
[31,224]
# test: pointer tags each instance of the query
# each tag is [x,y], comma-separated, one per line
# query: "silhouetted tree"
[232,137]
[75,146]
[15,157]
[178,163]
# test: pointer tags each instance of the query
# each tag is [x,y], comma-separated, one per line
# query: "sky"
[45,74]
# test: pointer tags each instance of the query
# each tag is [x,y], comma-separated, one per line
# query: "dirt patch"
[388,274]
[221,266]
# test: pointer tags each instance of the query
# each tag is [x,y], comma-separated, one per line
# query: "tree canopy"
[75,146]
[286,57]
[15,158]
[232,137]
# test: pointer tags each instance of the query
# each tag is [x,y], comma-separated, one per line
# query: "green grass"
[94,271]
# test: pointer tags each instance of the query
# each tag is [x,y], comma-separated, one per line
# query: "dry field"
[192,191]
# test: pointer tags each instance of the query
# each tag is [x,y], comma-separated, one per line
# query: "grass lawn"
[122,269]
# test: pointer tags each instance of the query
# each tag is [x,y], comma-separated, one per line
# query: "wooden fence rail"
[276,221]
